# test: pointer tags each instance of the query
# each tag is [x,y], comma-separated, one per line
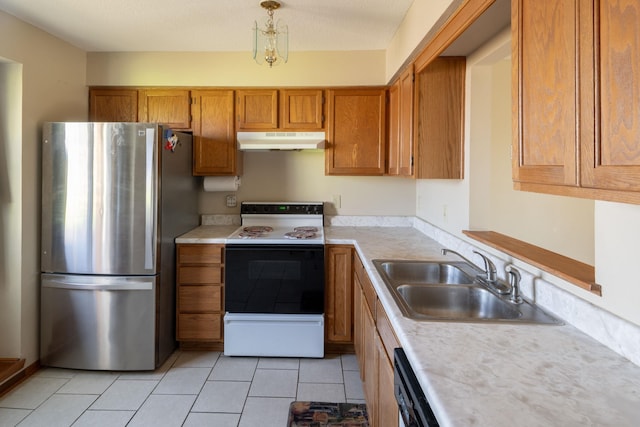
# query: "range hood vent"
[263,141]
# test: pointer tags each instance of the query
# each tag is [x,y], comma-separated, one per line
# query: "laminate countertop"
[492,374]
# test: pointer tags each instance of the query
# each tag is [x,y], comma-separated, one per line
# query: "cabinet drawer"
[200,275]
[205,298]
[200,327]
[200,254]
[385,330]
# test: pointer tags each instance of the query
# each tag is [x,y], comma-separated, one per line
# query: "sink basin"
[455,302]
[449,291]
[426,272]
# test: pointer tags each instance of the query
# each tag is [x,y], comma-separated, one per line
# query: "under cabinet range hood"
[264,141]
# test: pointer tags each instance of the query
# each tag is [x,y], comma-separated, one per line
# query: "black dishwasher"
[412,403]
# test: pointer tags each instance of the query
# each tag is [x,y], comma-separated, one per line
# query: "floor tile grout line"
[175,363]
[246,397]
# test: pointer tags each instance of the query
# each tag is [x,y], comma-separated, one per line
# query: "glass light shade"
[271,43]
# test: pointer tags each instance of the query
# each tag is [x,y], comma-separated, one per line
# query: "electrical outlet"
[231,201]
[337,202]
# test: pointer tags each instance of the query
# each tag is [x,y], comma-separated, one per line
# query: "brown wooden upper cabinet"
[356,132]
[257,109]
[286,109]
[214,138]
[400,146]
[302,109]
[576,107]
[171,107]
[113,105]
[439,119]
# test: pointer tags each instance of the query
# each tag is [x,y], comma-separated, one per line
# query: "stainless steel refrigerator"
[114,197]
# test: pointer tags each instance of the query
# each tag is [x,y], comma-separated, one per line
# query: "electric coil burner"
[274,281]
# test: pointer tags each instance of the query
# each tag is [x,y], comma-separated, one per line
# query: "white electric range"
[274,281]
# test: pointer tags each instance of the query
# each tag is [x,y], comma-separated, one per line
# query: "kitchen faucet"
[489,268]
[489,276]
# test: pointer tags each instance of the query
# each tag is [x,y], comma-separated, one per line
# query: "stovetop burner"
[257,229]
[298,234]
[254,231]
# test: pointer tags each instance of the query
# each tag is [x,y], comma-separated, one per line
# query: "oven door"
[274,279]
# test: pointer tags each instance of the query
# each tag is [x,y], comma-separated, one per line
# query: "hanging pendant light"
[270,41]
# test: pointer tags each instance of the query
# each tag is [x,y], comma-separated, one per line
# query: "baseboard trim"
[20,375]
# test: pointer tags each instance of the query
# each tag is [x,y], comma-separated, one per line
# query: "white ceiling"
[211,25]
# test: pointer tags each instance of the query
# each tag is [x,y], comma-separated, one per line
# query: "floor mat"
[324,414]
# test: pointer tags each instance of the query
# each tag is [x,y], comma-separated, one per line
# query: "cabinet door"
[544,80]
[113,105]
[358,333]
[371,357]
[302,109]
[338,294]
[257,109]
[439,119]
[214,139]
[611,145]
[405,146]
[400,147]
[356,132]
[169,107]
[393,144]
[387,415]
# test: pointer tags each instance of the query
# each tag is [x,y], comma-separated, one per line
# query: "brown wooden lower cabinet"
[374,341]
[358,336]
[199,327]
[370,382]
[338,293]
[200,293]
[387,415]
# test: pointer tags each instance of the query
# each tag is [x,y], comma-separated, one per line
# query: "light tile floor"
[191,389]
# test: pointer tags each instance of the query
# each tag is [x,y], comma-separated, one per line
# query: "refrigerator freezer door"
[100,198]
[101,323]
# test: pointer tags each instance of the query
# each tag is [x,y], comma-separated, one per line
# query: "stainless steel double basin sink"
[450,291]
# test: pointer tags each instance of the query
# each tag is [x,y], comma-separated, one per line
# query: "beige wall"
[10,206]
[345,68]
[328,68]
[419,20]
[603,234]
[51,75]
[278,176]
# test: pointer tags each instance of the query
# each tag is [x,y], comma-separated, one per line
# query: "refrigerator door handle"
[128,285]
[149,228]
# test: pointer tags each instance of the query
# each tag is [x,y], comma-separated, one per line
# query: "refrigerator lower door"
[98,322]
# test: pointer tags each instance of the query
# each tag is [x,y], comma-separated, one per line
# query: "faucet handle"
[489,268]
[514,281]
